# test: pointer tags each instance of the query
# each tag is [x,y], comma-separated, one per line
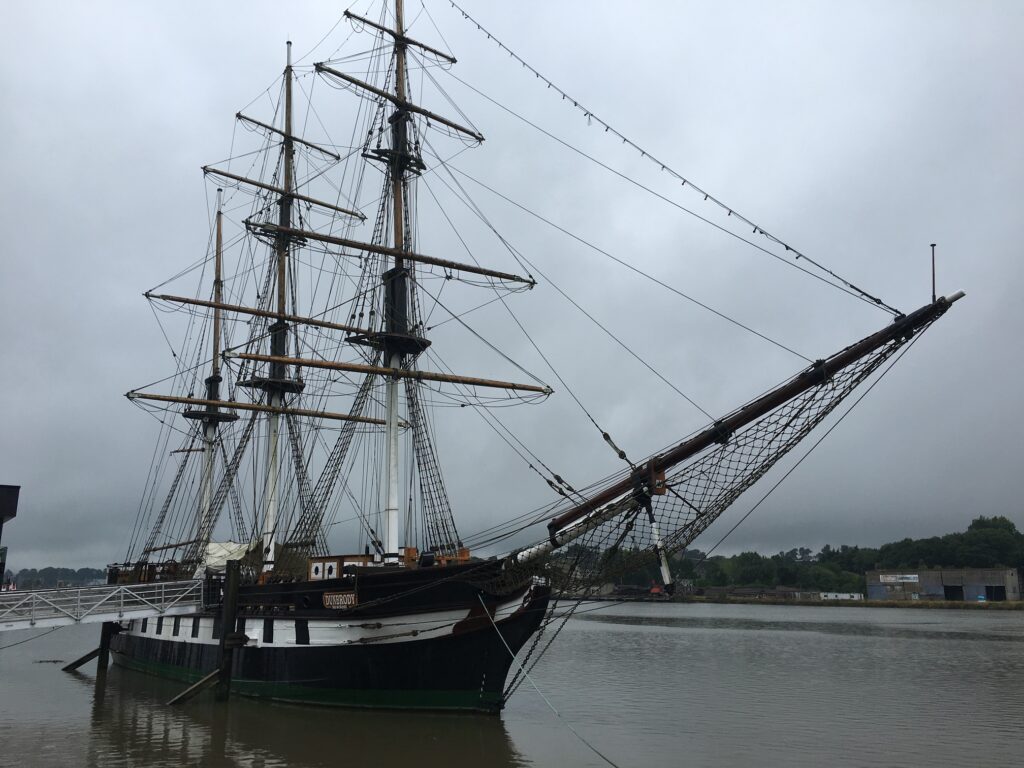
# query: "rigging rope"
[473,207]
[684,182]
[817,442]
[702,488]
[450,168]
[501,298]
[547,701]
[29,639]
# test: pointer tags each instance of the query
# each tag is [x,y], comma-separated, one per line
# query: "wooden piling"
[229,640]
[195,688]
[227,637]
[83,660]
[102,654]
[108,630]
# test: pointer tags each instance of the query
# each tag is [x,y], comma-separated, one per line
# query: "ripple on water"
[647,684]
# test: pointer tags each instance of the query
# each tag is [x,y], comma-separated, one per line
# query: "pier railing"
[87,605]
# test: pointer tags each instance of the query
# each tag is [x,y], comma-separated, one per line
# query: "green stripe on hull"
[160,670]
[478,701]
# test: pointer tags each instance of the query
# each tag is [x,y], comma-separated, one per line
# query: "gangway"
[30,609]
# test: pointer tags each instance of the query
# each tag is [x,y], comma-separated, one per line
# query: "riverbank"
[956,605]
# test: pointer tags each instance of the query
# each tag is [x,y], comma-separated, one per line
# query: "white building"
[842,596]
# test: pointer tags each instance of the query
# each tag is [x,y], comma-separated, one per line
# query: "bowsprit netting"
[695,494]
[692,496]
[699,492]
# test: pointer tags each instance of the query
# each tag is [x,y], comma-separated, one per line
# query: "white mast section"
[395,359]
[206,494]
[391,506]
[275,390]
[273,471]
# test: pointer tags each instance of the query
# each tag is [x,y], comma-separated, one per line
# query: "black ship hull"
[450,654]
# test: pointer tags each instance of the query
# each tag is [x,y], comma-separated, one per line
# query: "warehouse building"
[961,584]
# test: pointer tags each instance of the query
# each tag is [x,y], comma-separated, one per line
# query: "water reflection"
[132,725]
[656,685]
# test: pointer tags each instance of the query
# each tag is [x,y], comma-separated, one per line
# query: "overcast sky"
[857,132]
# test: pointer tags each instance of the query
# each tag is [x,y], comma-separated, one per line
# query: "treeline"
[988,542]
[44,578]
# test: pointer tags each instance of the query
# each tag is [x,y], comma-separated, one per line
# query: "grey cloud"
[858,132]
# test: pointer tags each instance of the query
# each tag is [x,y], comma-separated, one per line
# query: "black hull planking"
[464,670]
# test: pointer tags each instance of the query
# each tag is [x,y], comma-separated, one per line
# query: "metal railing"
[87,605]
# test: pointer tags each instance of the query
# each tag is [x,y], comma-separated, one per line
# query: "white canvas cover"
[219,552]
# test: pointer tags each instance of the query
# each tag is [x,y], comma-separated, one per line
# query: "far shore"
[1003,605]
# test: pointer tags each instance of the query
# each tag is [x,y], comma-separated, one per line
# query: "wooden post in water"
[108,630]
[102,654]
[229,640]
[227,635]
[81,660]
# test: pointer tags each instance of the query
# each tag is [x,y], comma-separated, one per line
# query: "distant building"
[777,593]
[960,584]
[842,596]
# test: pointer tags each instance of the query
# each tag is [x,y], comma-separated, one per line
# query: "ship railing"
[145,571]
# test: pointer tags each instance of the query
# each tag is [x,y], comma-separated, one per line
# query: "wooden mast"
[210,427]
[278,381]
[218,281]
[395,289]
[212,416]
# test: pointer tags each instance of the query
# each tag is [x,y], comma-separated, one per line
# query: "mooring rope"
[28,639]
[547,701]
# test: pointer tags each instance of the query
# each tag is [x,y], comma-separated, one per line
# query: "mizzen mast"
[212,416]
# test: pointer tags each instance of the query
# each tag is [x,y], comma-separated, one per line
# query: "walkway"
[93,605]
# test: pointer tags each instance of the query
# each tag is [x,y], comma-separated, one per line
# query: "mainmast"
[396,287]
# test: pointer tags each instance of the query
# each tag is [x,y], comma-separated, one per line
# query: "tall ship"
[305,396]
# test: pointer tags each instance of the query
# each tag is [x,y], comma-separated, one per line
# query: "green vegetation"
[988,542]
[30,578]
